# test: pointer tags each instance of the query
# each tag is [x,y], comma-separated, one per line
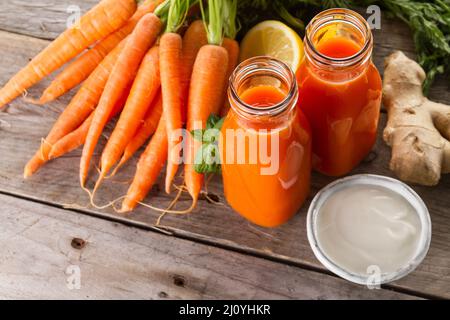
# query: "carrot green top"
[178,11]
[229,13]
[173,13]
[162,11]
[214,20]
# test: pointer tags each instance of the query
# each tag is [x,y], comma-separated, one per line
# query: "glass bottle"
[265,143]
[340,90]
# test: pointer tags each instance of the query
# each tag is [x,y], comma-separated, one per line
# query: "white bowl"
[375,180]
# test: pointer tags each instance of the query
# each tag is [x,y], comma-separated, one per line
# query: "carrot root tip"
[51,155]
[92,194]
[118,166]
[33,101]
[27,173]
[125,208]
[168,188]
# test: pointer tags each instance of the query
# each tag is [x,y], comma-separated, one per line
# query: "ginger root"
[418,130]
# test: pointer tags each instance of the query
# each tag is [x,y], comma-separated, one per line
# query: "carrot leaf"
[197,134]
[207,159]
[214,121]
[230,13]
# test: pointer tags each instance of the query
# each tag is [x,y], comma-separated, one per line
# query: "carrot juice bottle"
[265,143]
[340,90]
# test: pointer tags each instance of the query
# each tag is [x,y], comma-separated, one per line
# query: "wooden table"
[211,253]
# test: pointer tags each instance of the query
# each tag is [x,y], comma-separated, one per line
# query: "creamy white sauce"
[363,226]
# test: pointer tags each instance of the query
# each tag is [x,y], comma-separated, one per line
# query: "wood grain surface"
[44,249]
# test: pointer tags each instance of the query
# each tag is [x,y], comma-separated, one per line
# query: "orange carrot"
[146,129]
[77,137]
[71,141]
[77,111]
[232,47]
[207,84]
[193,39]
[100,21]
[205,98]
[170,65]
[145,88]
[82,67]
[171,44]
[124,71]
[148,168]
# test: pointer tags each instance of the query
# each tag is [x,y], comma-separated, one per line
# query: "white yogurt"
[364,225]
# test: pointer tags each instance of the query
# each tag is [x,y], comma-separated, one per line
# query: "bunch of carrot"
[141,67]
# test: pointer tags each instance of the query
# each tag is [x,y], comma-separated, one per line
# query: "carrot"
[100,21]
[77,137]
[232,47]
[77,111]
[145,88]
[170,49]
[205,98]
[146,129]
[205,93]
[171,45]
[124,71]
[148,168]
[193,39]
[71,141]
[82,67]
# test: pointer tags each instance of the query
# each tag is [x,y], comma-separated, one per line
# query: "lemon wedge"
[275,39]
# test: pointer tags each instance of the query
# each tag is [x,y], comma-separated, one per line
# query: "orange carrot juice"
[265,144]
[340,90]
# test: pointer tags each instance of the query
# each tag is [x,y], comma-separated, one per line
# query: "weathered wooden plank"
[22,125]
[44,19]
[38,250]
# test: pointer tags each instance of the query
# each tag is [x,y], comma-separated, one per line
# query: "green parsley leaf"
[207,159]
